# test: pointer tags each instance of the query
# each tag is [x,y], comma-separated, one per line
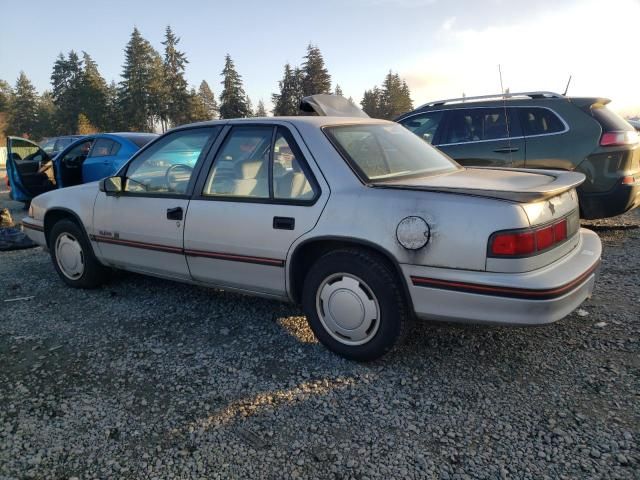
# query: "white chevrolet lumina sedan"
[360,221]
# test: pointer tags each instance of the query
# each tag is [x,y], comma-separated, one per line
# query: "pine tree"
[261,111]
[287,102]
[316,78]
[24,111]
[196,108]
[159,95]
[233,99]
[93,92]
[5,96]
[208,100]
[113,119]
[371,102]
[138,90]
[338,91]
[67,82]
[46,113]
[85,127]
[178,98]
[396,98]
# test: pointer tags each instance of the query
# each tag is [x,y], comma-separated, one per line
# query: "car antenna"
[567,87]
[506,118]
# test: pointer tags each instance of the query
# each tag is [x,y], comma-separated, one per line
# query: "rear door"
[483,136]
[29,169]
[254,198]
[546,133]
[100,161]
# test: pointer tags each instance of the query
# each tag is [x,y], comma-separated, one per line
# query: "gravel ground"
[145,378]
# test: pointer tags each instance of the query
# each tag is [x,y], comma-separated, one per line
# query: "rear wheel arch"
[306,254]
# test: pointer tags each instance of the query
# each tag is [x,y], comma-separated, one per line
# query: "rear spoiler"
[325,105]
[586,102]
[563,182]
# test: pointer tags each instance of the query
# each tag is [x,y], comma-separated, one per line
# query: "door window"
[476,124]
[102,148]
[424,125]
[24,150]
[78,154]
[167,166]
[250,157]
[539,121]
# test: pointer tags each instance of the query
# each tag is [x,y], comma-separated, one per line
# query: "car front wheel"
[355,304]
[73,257]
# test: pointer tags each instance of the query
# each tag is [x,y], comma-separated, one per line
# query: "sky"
[443,48]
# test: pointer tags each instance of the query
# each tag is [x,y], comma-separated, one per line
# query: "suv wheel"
[73,257]
[355,304]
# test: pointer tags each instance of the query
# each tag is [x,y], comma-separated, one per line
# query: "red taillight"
[513,244]
[529,242]
[615,139]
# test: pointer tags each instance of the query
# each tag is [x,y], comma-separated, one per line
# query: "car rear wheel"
[73,257]
[355,304]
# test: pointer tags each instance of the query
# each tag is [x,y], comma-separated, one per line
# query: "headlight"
[30,214]
[413,233]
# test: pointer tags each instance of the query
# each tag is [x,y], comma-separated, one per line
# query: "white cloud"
[597,45]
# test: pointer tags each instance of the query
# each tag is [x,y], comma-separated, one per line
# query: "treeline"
[153,93]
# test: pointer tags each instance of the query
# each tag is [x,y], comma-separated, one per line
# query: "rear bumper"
[620,199]
[532,298]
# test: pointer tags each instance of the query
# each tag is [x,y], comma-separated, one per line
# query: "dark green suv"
[541,130]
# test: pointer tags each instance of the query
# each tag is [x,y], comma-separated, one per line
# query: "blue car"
[31,171]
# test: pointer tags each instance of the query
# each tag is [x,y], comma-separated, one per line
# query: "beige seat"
[294,184]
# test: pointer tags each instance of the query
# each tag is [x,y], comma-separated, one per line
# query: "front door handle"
[174,213]
[284,223]
[506,150]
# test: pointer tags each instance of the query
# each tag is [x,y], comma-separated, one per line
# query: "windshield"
[387,151]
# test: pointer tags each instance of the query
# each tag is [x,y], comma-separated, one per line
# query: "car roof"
[318,121]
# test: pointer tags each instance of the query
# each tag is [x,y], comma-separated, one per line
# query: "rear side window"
[424,125]
[539,121]
[102,148]
[610,121]
[476,124]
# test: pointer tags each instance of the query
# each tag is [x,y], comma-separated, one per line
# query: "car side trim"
[32,226]
[273,262]
[510,292]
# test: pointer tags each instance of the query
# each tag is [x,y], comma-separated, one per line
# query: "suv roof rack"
[499,96]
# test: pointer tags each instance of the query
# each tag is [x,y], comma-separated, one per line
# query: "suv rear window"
[380,152]
[610,121]
[539,121]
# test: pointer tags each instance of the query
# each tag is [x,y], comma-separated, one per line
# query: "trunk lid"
[515,185]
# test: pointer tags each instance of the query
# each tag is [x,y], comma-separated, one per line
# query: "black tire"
[94,273]
[381,280]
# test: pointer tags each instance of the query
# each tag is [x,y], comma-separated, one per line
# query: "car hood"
[517,185]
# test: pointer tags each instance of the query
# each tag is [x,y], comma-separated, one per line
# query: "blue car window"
[102,148]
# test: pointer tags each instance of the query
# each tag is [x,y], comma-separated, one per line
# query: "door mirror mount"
[112,186]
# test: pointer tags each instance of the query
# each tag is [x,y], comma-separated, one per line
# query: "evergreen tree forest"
[153,94]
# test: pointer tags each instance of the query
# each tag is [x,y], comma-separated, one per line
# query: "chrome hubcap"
[69,256]
[348,309]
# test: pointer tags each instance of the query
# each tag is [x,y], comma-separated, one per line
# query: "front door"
[100,161]
[29,169]
[486,137]
[260,193]
[141,229]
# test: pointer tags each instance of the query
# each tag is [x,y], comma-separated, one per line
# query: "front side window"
[476,124]
[77,155]
[102,147]
[539,121]
[166,167]
[424,125]
[386,151]
[250,158]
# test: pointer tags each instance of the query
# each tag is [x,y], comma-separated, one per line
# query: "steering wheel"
[175,174]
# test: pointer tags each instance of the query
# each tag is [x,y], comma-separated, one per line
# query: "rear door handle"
[174,213]
[506,150]
[284,223]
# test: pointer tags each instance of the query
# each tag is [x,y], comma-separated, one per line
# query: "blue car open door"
[29,169]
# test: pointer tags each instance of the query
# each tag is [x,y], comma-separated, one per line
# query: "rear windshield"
[610,121]
[387,151]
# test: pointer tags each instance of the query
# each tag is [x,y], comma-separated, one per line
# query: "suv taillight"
[523,243]
[619,138]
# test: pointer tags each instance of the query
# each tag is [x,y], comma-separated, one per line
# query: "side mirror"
[111,185]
